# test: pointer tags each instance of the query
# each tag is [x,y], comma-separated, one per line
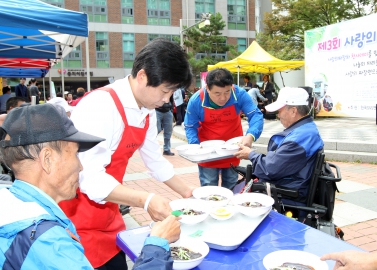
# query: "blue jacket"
[3,102]
[254,93]
[242,102]
[21,91]
[25,208]
[290,157]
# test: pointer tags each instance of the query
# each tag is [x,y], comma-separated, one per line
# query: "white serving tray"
[224,234]
[213,157]
[218,234]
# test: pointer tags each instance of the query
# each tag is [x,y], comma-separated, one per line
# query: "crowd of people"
[69,164]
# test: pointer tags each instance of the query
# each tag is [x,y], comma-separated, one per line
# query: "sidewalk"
[355,211]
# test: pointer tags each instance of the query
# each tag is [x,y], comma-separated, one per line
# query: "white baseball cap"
[289,96]
[61,102]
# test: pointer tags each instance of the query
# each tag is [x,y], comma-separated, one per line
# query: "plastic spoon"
[176,213]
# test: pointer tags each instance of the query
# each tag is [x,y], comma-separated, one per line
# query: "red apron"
[220,124]
[98,224]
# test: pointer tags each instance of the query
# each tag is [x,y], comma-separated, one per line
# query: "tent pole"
[44,90]
[238,76]
[62,69]
[282,79]
[49,81]
[87,65]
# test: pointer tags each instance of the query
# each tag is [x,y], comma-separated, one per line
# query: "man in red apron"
[124,113]
[213,113]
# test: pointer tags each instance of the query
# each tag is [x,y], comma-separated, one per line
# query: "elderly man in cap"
[41,145]
[291,153]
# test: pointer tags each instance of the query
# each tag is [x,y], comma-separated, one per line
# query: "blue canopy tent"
[37,30]
[23,72]
[34,29]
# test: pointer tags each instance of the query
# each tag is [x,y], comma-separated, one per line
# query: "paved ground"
[338,129]
[355,211]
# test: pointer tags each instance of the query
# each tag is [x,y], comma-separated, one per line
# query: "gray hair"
[11,155]
[301,109]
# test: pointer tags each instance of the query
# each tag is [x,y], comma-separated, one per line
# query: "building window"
[158,12]
[174,38]
[128,50]
[96,10]
[72,60]
[102,50]
[204,6]
[127,11]
[237,14]
[241,42]
[56,3]
[220,55]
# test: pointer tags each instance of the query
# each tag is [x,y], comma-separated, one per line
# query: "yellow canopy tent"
[256,59]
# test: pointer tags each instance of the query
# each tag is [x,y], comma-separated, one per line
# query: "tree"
[363,7]
[283,34]
[208,41]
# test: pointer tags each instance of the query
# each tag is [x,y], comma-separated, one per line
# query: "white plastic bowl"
[194,204]
[223,212]
[182,149]
[226,149]
[234,141]
[194,245]
[198,154]
[265,200]
[211,144]
[203,192]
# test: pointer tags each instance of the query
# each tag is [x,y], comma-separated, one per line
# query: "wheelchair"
[316,211]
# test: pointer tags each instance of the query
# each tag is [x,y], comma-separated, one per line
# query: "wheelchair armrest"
[239,169]
[338,177]
[286,192]
[315,209]
[259,186]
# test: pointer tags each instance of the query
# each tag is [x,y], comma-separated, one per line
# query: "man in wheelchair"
[292,153]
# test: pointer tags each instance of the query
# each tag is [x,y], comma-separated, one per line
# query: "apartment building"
[120,28]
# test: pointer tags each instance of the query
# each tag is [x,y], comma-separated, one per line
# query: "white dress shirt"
[97,114]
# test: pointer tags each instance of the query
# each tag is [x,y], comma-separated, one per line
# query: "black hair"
[164,62]
[220,77]
[32,80]
[247,77]
[59,94]
[6,89]
[13,102]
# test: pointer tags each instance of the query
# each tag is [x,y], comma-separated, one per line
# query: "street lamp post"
[203,22]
